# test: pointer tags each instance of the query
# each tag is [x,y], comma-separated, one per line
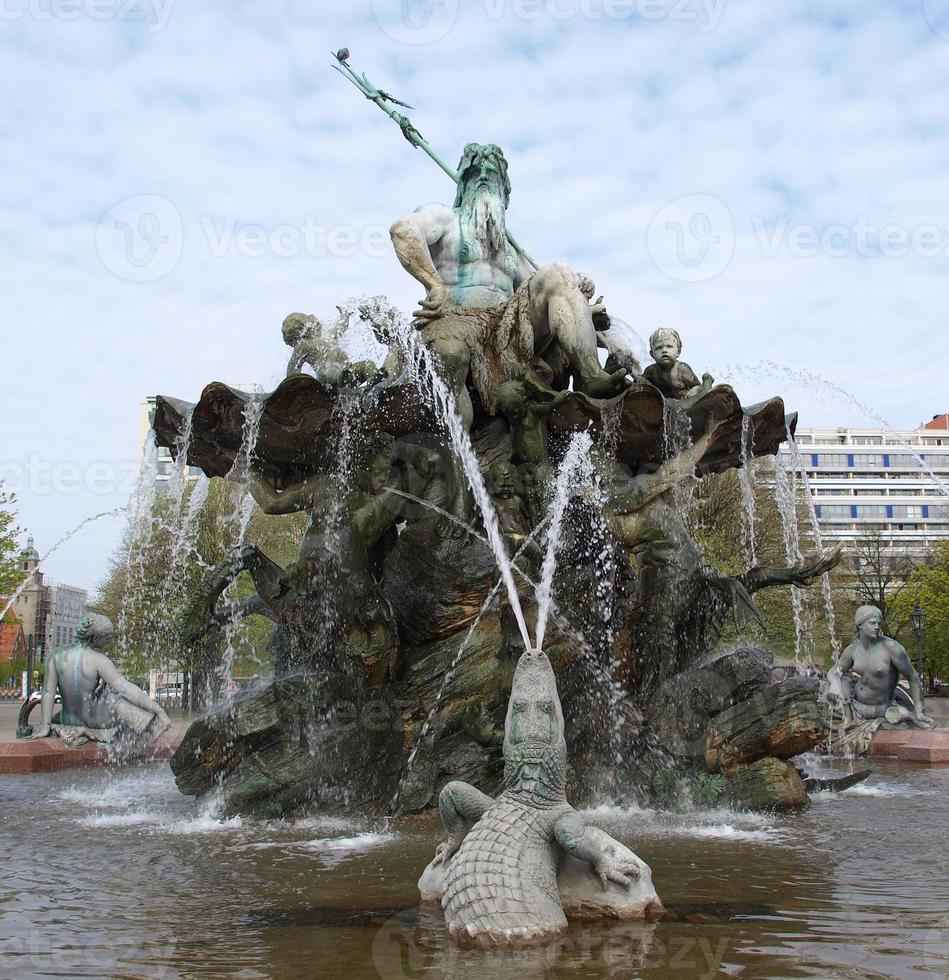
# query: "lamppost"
[918,623]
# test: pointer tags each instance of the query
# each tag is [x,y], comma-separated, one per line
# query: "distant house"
[12,641]
[49,613]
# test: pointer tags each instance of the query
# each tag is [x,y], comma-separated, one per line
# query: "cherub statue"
[674,378]
[383,318]
[526,404]
[98,703]
[313,344]
[502,485]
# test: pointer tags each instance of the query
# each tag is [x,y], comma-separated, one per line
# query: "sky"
[177,176]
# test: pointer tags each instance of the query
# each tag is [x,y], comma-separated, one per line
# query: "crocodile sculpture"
[497,869]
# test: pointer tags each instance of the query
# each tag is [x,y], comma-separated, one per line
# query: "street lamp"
[919,622]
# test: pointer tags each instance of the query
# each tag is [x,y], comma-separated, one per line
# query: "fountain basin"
[24,756]
[927,747]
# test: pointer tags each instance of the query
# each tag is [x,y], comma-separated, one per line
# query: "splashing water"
[456,661]
[140,527]
[576,466]
[180,525]
[746,475]
[442,399]
[242,509]
[677,438]
[818,540]
[88,520]
[785,497]
[818,386]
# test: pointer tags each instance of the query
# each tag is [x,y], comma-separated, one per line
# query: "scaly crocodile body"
[501,856]
[502,882]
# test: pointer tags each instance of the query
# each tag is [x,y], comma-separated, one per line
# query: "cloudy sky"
[768,178]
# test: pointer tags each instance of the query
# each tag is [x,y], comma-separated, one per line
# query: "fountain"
[427,483]
[499,604]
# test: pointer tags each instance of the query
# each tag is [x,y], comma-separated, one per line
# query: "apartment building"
[875,480]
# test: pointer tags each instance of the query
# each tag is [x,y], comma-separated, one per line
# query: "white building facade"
[864,481]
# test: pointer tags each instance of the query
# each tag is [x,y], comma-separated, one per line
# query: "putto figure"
[869,671]
[674,378]
[486,311]
[496,873]
[98,703]
[314,345]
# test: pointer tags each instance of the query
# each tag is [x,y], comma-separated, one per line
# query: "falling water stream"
[31,577]
[818,540]
[242,508]
[443,401]
[575,466]
[785,496]
[746,476]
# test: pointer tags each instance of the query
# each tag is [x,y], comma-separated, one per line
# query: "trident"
[409,131]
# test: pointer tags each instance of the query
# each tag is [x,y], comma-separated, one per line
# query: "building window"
[832,459]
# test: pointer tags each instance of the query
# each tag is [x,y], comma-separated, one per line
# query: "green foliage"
[11,575]
[929,583]
[666,786]
[717,524]
[147,589]
[707,789]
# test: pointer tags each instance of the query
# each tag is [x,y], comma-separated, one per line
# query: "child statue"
[527,404]
[313,344]
[674,378]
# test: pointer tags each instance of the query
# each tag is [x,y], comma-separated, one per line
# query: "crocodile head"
[535,752]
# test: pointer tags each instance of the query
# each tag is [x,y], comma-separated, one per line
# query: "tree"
[11,575]
[159,565]
[878,577]
[929,585]
[718,520]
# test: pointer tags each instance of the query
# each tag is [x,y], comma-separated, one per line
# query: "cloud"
[799,118]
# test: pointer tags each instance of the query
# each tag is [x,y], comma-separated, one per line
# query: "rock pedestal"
[782,721]
[765,784]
